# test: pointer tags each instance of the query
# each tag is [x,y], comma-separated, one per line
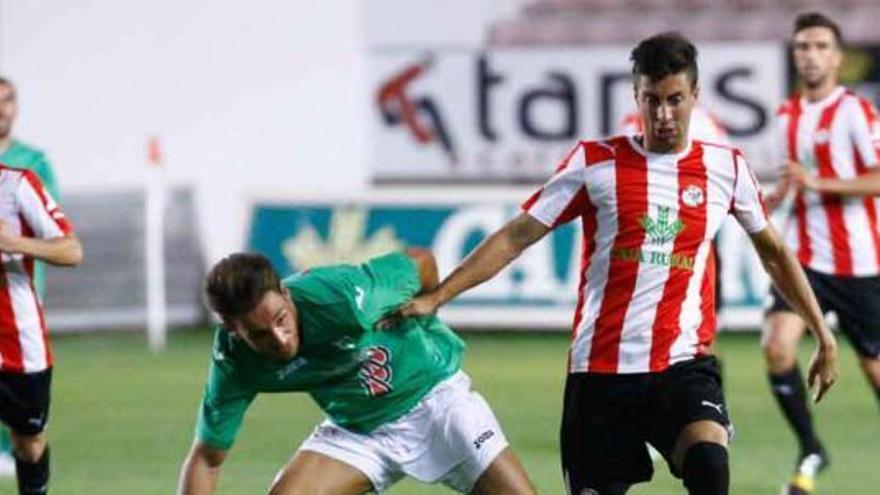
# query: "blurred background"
[318,132]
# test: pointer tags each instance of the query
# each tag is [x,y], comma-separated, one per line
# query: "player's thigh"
[24,407]
[690,407]
[505,475]
[604,429]
[311,473]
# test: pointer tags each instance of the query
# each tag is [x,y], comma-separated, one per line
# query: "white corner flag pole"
[157,324]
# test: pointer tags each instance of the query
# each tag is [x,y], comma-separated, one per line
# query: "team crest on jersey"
[661,230]
[693,196]
[375,373]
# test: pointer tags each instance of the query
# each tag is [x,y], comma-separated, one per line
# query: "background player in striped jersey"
[32,227]
[397,401]
[639,362]
[15,153]
[830,140]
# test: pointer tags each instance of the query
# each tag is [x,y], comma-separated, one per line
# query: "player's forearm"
[486,261]
[61,251]
[863,185]
[791,281]
[491,256]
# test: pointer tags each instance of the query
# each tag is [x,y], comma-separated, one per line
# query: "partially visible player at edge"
[830,139]
[397,401]
[15,153]
[640,369]
[32,227]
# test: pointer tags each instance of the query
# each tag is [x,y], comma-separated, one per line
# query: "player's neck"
[821,92]
[5,143]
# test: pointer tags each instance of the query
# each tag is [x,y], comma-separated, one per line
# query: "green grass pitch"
[122,418]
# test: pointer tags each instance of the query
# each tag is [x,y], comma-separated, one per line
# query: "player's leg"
[700,455]
[505,475]
[314,473]
[859,313]
[871,368]
[783,331]
[690,426]
[24,407]
[602,436]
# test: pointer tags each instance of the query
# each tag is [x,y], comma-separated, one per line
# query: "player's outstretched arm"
[788,276]
[200,470]
[61,251]
[863,185]
[493,254]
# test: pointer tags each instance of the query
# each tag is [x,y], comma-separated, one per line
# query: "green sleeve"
[223,406]
[393,279]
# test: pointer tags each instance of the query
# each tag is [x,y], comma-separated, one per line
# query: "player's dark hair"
[817,19]
[663,55]
[238,282]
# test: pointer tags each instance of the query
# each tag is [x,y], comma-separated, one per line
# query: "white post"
[155,248]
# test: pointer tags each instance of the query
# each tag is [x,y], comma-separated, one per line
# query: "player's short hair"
[5,81]
[817,19]
[663,55]
[238,282]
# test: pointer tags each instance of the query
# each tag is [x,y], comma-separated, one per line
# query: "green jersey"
[360,377]
[20,155]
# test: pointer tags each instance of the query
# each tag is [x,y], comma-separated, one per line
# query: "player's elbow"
[427,266]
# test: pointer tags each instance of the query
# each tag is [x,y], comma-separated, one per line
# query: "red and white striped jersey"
[837,137]
[704,126]
[29,211]
[646,293]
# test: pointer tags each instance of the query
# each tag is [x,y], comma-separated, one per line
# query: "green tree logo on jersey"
[661,230]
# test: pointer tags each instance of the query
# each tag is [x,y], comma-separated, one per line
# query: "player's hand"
[7,236]
[423,305]
[799,176]
[823,369]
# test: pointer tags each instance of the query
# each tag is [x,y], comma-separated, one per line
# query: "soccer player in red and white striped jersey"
[639,368]
[32,227]
[830,139]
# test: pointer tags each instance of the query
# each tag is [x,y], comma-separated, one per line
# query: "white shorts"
[451,437]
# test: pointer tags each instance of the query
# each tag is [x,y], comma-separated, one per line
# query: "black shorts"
[855,300]
[607,419]
[24,401]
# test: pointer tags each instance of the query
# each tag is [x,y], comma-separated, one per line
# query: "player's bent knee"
[706,469]
[28,448]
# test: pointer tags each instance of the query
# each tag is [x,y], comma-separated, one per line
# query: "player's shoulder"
[321,286]
[858,104]
[27,152]
[602,150]
[16,173]
[789,106]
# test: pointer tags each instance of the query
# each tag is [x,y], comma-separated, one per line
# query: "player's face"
[8,109]
[817,57]
[271,328]
[665,107]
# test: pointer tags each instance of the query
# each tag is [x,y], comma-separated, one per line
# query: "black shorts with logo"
[607,419]
[24,401]
[855,300]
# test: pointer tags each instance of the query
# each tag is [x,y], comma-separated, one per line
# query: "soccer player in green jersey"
[396,400]
[17,154]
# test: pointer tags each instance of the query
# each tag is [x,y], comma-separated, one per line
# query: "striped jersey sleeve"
[39,210]
[866,132]
[747,203]
[562,197]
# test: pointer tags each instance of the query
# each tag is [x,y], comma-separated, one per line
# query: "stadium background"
[282,130]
